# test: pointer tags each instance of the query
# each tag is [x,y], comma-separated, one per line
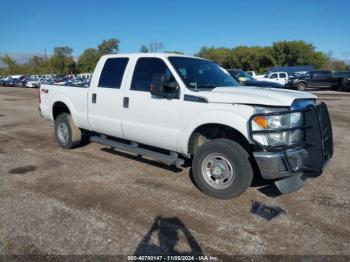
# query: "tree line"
[282,53]
[61,61]
[257,58]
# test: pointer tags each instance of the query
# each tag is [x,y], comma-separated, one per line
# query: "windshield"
[199,74]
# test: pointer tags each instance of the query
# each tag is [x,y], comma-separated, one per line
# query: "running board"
[171,159]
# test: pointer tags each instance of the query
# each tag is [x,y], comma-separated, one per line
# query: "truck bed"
[74,97]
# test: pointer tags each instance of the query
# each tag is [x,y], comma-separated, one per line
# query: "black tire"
[301,86]
[237,157]
[72,135]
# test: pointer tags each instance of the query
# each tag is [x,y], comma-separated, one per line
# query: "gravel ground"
[96,201]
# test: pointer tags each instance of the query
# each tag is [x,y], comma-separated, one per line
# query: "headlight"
[275,127]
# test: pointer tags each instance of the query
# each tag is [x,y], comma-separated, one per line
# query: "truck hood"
[254,95]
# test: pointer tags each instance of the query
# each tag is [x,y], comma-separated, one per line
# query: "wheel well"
[302,82]
[59,108]
[211,131]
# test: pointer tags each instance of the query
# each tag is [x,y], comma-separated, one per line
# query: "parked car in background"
[292,70]
[16,76]
[70,76]
[275,77]
[315,79]
[81,82]
[251,73]
[33,82]
[345,81]
[47,76]
[59,79]
[85,75]
[246,80]
[10,82]
[341,74]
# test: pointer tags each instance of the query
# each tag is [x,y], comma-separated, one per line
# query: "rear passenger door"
[318,79]
[105,98]
[148,119]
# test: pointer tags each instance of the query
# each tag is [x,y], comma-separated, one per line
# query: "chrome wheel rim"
[218,171]
[62,132]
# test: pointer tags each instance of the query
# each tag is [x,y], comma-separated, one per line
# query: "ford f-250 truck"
[169,107]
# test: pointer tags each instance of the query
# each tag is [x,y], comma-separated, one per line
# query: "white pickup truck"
[275,77]
[170,107]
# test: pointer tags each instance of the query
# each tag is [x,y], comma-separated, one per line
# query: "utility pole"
[45,55]
[46,61]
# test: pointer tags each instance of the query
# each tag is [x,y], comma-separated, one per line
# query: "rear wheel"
[301,86]
[221,169]
[67,134]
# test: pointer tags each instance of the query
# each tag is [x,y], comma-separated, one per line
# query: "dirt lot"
[93,200]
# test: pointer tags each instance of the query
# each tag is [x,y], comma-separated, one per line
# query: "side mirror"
[162,89]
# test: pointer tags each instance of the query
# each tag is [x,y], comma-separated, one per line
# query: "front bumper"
[274,165]
[288,165]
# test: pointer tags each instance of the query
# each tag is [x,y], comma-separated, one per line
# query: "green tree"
[144,49]
[110,46]
[294,53]
[218,55]
[8,61]
[62,61]
[88,60]
[38,65]
[336,65]
[251,58]
[258,58]
[11,67]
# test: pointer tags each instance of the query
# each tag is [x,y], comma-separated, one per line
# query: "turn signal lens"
[261,121]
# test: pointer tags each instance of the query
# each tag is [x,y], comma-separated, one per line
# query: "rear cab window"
[113,72]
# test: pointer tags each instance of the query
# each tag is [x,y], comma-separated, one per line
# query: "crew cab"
[318,79]
[171,107]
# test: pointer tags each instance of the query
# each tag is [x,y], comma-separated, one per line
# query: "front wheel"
[67,134]
[221,169]
[301,87]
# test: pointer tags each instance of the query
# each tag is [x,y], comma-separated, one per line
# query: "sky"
[30,26]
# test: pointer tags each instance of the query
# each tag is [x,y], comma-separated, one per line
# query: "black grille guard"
[318,140]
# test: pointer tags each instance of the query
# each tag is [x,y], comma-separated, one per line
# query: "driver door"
[147,119]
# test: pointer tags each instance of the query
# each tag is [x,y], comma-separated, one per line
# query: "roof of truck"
[137,55]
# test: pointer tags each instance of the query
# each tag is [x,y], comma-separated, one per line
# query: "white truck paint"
[180,121]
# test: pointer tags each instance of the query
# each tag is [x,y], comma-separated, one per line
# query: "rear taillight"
[42,91]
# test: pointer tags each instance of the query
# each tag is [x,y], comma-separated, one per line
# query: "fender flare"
[62,99]
[222,117]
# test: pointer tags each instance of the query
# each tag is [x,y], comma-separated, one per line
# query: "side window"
[144,71]
[283,75]
[273,76]
[112,73]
